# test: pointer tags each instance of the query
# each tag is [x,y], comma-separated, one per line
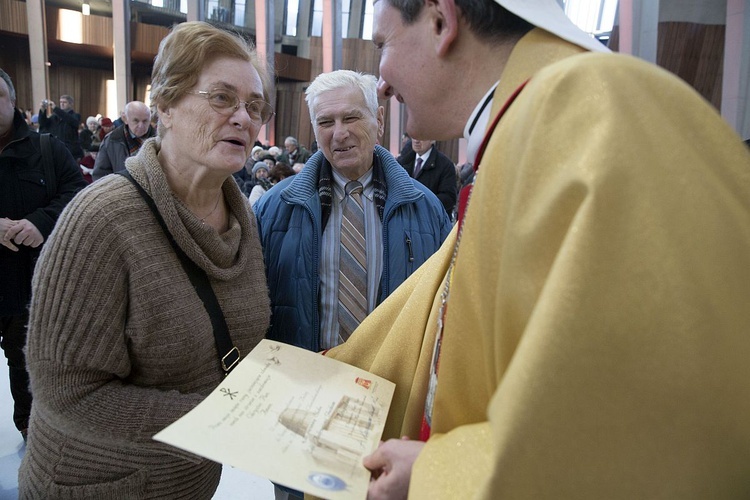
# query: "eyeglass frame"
[207,93]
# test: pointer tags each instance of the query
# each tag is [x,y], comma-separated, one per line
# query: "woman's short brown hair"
[185,52]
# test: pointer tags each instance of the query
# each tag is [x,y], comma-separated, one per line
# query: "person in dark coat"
[436,171]
[406,155]
[61,122]
[27,215]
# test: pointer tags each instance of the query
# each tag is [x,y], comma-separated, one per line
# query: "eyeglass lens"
[223,100]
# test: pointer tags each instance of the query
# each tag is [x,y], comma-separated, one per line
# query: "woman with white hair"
[88,135]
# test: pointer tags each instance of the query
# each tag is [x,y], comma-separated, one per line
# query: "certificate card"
[293,416]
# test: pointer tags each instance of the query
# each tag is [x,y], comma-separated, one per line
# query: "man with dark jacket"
[293,152]
[61,122]
[435,170]
[32,196]
[124,141]
[304,227]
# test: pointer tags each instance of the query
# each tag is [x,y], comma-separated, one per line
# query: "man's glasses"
[226,102]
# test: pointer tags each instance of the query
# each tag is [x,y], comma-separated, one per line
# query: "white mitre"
[549,15]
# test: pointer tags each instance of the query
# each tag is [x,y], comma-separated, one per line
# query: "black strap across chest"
[229,355]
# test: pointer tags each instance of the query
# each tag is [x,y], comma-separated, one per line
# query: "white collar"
[477,124]
[424,156]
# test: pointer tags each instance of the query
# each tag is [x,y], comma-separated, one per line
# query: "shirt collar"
[424,156]
[339,181]
[477,124]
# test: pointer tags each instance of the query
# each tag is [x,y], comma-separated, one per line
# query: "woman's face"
[199,136]
[92,126]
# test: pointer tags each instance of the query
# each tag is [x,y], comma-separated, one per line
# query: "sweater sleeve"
[78,353]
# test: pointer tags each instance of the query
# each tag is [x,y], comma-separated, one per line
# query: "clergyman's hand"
[391,467]
[23,232]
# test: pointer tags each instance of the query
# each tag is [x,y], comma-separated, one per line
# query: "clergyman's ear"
[444,17]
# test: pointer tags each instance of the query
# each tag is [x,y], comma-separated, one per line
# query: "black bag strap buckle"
[229,360]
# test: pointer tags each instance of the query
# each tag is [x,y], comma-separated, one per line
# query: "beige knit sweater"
[120,345]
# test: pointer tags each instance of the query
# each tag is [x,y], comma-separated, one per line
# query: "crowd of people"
[101,146]
[564,315]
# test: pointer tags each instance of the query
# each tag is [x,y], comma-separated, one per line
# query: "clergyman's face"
[405,66]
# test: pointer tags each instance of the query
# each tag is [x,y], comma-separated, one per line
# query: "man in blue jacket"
[346,231]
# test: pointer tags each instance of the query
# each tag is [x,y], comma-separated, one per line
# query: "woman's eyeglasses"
[226,102]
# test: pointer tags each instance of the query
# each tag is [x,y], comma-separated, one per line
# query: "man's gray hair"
[343,79]
[68,98]
[9,83]
[291,139]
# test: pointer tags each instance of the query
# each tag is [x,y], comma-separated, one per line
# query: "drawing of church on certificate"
[342,436]
[293,416]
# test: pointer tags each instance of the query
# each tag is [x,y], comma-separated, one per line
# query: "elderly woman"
[120,343]
[88,135]
[262,182]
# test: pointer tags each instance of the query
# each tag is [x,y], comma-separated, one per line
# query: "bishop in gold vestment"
[597,336]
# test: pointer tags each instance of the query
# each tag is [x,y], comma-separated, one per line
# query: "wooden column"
[121,51]
[735,97]
[332,42]
[394,138]
[38,53]
[264,43]
[196,10]
[639,28]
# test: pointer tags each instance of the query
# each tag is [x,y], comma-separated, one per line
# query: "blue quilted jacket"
[289,222]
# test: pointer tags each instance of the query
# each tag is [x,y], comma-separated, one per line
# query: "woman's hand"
[391,467]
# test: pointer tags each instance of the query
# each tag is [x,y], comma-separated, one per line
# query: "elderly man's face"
[138,119]
[290,146]
[420,147]
[346,130]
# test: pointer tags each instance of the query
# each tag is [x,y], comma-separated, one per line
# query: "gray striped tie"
[352,263]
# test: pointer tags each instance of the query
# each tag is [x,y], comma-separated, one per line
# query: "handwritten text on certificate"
[293,416]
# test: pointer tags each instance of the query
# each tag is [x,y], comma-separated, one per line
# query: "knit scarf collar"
[325,188]
[224,256]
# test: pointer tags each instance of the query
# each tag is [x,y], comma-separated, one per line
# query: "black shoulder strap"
[229,355]
[50,179]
